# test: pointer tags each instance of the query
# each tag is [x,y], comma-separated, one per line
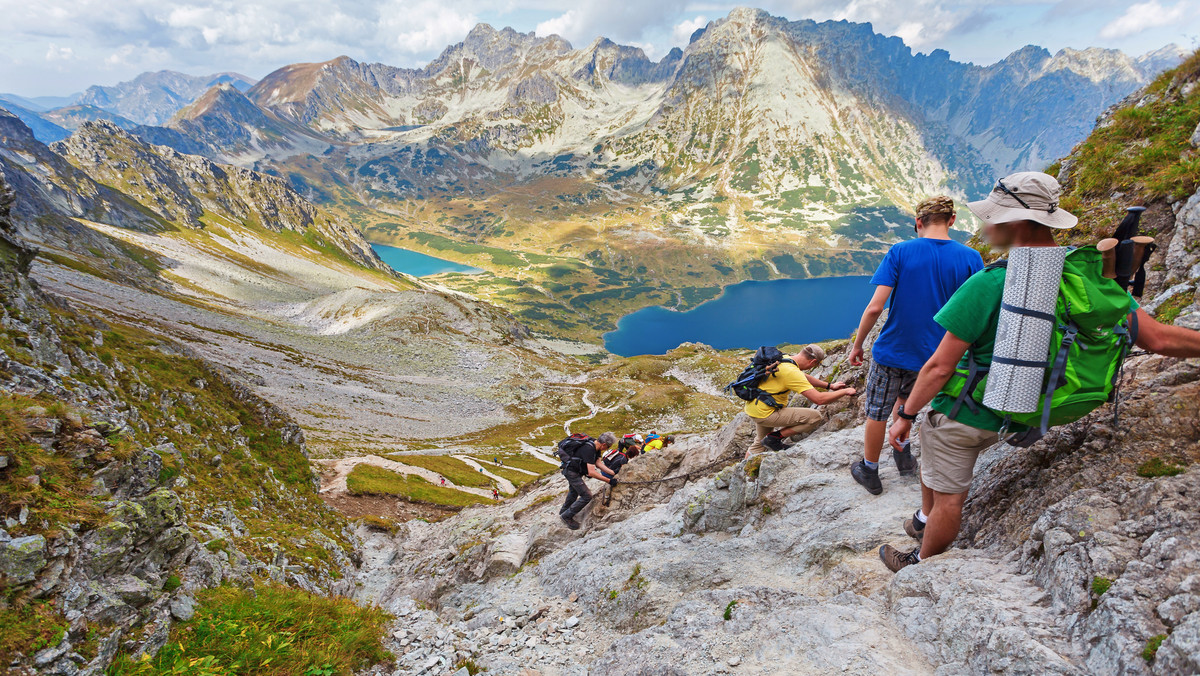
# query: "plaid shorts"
[884,386]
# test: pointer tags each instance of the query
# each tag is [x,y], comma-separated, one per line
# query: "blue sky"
[55,47]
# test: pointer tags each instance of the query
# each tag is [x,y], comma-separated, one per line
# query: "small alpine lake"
[418,264]
[749,314]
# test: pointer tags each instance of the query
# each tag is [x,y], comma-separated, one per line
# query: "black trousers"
[578,496]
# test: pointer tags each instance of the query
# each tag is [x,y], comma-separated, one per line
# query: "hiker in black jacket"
[582,458]
[617,458]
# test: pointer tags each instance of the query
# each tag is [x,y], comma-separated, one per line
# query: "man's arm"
[594,471]
[1166,339]
[816,382]
[933,377]
[869,316]
[821,397]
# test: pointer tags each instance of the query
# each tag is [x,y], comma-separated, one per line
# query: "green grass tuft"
[1152,647]
[272,631]
[28,628]
[728,615]
[1156,467]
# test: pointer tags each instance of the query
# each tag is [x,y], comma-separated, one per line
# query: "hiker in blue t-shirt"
[919,276]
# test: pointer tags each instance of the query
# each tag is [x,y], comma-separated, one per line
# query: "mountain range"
[764,148]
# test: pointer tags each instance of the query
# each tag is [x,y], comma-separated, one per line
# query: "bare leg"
[943,524]
[926,499]
[873,442]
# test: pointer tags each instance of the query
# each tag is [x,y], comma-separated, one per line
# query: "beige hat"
[1024,196]
[815,352]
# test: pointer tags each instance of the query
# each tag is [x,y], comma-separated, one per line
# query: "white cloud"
[56,53]
[1144,16]
[682,32]
[620,20]
[426,26]
[101,41]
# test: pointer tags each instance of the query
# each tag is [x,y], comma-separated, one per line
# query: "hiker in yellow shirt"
[790,377]
[655,442]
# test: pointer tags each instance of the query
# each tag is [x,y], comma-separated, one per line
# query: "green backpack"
[1094,331]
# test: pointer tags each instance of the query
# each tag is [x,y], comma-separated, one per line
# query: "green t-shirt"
[973,314]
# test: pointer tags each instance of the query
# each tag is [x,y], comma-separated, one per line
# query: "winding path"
[342,468]
[503,484]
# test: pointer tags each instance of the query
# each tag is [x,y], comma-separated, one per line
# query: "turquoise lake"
[418,264]
[748,315]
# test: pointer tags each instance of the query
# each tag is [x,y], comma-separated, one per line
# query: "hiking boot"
[914,528]
[905,461]
[569,521]
[869,478]
[773,442]
[895,559]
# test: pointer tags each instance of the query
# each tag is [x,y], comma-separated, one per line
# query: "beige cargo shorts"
[949,450]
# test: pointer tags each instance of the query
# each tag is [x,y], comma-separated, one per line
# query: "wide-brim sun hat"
[1024,196]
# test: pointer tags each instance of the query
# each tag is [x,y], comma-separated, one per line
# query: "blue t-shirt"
[923,274]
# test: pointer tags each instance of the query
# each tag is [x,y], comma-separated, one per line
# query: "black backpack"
[568,450]
[763,364]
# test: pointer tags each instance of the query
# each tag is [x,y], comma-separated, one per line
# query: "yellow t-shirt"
[653,445]
[787,378]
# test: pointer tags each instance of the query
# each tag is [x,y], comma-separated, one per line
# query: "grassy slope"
[1143,155]
[272,631]
[371,480]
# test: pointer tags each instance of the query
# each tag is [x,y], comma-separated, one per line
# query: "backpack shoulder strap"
[1001,264]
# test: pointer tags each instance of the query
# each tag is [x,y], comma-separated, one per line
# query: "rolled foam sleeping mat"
[1024,334]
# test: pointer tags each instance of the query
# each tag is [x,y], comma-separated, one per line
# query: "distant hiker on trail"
[581,456]
[495,494]
[767,399]
[1021,211]
[918,276]
[443,479]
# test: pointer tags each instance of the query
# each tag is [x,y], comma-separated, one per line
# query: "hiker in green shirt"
[1021,211]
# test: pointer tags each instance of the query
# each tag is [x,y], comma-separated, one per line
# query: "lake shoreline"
[749,314]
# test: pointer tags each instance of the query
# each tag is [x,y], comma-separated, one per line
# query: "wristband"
[900,412]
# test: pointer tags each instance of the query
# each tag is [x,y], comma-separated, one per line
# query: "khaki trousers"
[805,419]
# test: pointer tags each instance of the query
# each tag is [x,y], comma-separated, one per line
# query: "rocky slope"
[189,190]
[133,476]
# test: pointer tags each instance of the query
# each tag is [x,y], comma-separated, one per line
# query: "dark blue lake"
[748,315]
[418,264]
